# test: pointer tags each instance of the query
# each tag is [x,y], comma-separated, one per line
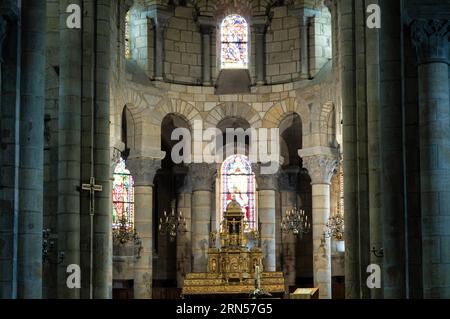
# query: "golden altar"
[234,268]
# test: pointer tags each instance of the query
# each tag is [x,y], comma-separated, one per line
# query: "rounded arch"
[291,139]
[327,124]
[224,8]
[279,111]
[177,107]
[233,110]
[170,123]
[325,113]
[128,130]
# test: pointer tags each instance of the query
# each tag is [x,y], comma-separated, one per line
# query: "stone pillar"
[259,28]
[431,40]
[304,17]
[69,149]
[288,191]
[31,167]
[373,147]
[391,151]
[3,33]
[144,171]
[9,140]
[350,161]
[206,29]
[321,168]
[202,178]
[184,248]
[160,20]
[266,188]
[102,279]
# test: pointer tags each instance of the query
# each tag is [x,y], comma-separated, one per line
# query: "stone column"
[31,167]
[184,249]
[304,17]
[259,28]
[206,29]
[431,40]
[373,147]
[391,151]
[69,149]
[288,190]
[102,280]
[321,168]
[350,161]
[160,20]
[266,188]
[3,33]
[144,171]
[9,139]
[202,178]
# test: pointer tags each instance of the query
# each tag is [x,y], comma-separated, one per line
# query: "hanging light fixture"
[125,232]
[335,227]
[296,222]
[171,224]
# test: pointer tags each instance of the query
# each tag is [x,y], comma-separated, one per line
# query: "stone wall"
[183,44]
[320,48]
[282,47]
[183,59]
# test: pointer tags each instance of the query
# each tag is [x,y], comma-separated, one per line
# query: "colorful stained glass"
[238,182]
[234,38]
[123,196]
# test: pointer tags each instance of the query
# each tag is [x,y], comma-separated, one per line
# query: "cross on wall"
[92,188]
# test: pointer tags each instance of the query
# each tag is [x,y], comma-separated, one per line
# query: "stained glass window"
[237,181]
[127,37]
[123,196]
[234,38]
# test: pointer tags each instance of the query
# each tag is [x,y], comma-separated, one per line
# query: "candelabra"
[296,222]
[335,227]
[124,232]
[172,224]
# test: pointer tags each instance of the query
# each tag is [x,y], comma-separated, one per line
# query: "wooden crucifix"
[92,188]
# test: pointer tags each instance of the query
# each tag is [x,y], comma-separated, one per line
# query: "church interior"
[167,149]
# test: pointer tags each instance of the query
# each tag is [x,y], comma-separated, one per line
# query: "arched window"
[123,196]
[234,39]
[237,181]
[127,36]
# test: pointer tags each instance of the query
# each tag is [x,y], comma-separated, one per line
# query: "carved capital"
[264,181]
[260,24]
[160,18]
[143,170]
[320,168]
[183,182]
[201,176]
[206,24]
[431,39]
